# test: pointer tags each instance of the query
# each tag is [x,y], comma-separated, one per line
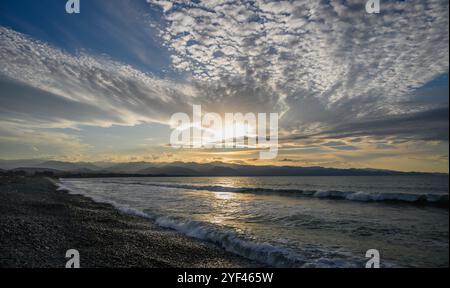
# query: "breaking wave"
[230,241]
[261,252]
[439,200]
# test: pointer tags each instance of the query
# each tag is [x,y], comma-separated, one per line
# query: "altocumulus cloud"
[333,49]
[326,61]
[328,66]
[315,61]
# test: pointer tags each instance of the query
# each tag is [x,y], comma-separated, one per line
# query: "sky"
[352,89]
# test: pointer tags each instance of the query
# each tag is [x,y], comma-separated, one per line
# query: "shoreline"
[39,224]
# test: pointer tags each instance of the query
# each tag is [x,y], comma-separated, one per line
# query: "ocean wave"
[439,200]
[125,209]
[229,240]
[261,252]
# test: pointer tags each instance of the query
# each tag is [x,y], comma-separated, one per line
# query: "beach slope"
[38,224]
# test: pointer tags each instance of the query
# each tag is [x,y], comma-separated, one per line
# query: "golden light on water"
[224,195]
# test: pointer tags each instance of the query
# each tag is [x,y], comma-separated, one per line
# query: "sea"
[311,222]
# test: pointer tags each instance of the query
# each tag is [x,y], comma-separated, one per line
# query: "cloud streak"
[430,125]
[112,92]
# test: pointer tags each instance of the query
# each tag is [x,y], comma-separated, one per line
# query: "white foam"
[261,252]
[65,187]
[62,186]
[276,253]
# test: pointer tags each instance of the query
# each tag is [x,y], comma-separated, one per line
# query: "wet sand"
[38,224]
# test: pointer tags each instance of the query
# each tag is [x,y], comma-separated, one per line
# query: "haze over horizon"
[353,90]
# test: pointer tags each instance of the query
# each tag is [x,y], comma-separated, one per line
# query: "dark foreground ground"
[39,224]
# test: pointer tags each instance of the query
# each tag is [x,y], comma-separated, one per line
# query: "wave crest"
[407,198]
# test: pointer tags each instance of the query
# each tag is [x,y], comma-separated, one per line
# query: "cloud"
[430,125]
[329,66]
[17,141]
[335,73]
[44,87]
[57,89]
[36,108]
[91,90]
[333,51]
[315,62]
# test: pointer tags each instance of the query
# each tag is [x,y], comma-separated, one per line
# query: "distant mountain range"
[85,169]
